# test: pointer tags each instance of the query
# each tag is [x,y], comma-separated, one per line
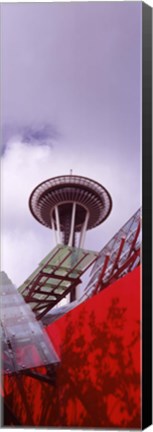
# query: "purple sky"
[71,98]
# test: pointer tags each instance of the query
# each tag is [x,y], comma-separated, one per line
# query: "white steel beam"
[70,242]
[58,224]
[53,228]
[83,230]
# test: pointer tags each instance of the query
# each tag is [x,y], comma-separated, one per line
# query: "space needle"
[70,205]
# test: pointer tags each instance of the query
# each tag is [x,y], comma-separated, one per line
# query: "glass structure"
[23,341]
[120,256]
[57,275]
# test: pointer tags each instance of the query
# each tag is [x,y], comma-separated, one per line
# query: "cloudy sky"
[71,99]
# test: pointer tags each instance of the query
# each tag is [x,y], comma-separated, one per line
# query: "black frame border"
[146,216]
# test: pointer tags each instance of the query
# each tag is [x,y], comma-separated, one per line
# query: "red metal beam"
[39,316]
[50,275]
[28,298]
[64,277]
[41,269]
[135,239]
[61,262]
[129,268]
[101,273]
[118,255]
[36,286]
[40,377]
[130,260]
[69,272]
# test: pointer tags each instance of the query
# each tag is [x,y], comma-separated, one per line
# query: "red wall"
[98,380]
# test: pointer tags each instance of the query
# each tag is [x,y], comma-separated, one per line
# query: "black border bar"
[147,215]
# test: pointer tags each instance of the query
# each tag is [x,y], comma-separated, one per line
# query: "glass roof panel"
[61,268]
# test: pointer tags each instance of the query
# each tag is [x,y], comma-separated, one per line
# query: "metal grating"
[23,341]
[57,275]
[118,257]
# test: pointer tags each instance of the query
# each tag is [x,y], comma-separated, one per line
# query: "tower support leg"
[58,224]
[53,228]
[70,243]
[83,230]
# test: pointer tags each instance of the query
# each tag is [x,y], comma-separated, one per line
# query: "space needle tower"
[70,205]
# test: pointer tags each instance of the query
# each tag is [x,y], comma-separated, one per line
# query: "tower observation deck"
[70,204]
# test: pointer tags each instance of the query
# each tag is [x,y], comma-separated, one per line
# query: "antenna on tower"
[71,171]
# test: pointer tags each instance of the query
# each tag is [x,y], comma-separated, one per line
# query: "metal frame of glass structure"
[24,343]
[118,257]
[57,275]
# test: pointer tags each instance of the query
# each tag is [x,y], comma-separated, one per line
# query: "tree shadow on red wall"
[98,380]
[99,383]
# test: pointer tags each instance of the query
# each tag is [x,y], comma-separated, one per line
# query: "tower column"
[53,228]
[70,243]
[58,224]
[83,230]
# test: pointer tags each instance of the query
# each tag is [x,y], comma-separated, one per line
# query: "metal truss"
[120,256]
[48,377]
[57,275]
